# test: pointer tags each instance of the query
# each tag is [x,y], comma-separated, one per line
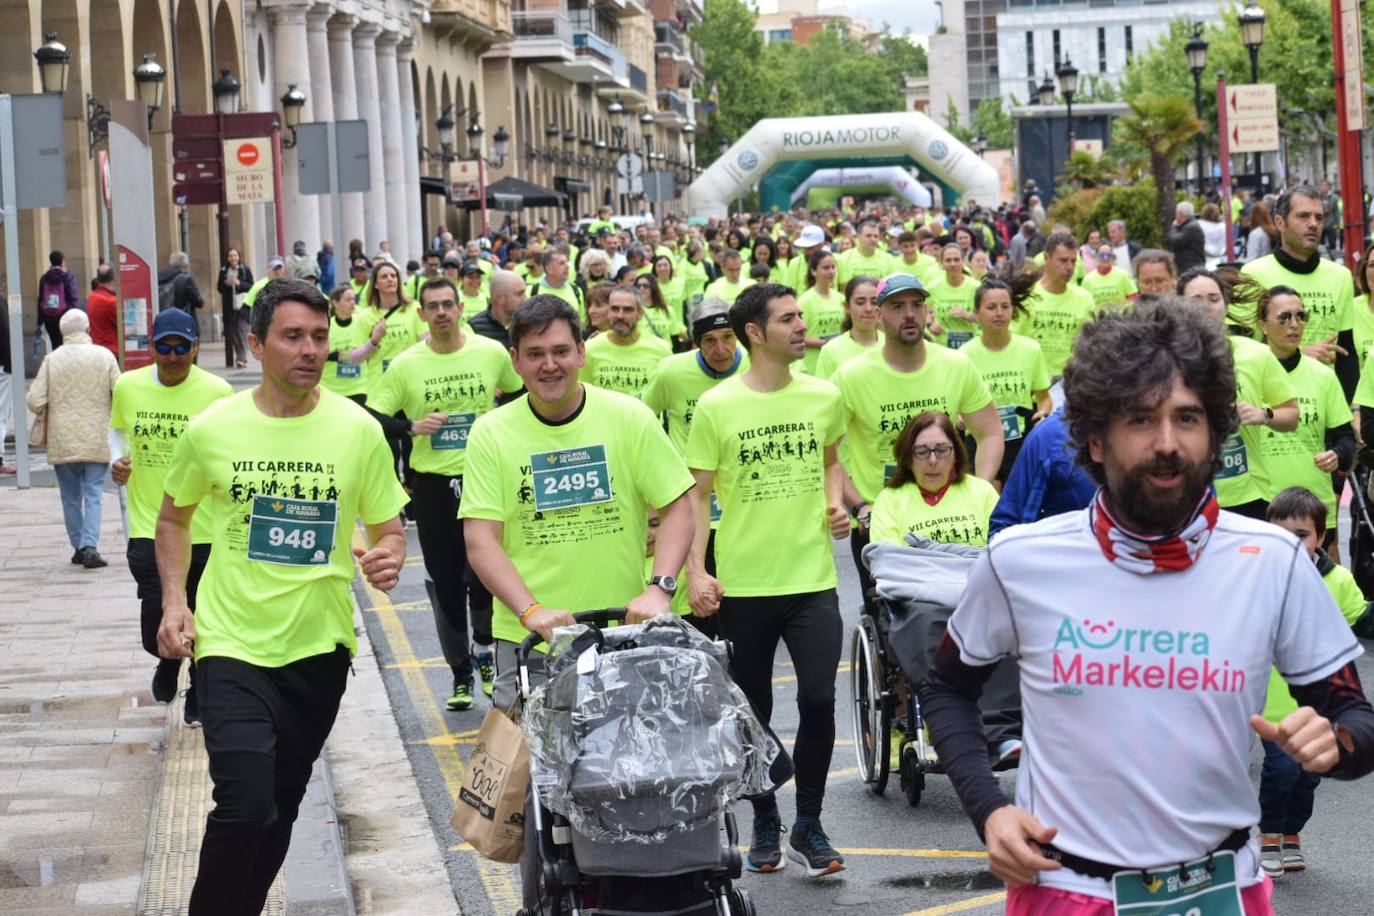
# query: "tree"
[993,121]
[960,133]
[1088,171]
[733,54]
[1163,126]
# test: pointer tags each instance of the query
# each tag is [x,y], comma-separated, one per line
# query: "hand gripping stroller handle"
[601,618]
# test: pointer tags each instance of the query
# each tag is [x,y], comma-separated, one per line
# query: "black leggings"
[264,728]
[434,506]
[143,565]
[810,626]
[858,540]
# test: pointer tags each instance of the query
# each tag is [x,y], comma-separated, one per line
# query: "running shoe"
[1292,853]
[165,680]
[1271,854]
[461,698]
[764,853]
[486,672]
[190,710]
[810,847]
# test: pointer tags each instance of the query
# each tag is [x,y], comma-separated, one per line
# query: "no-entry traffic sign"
[248,171]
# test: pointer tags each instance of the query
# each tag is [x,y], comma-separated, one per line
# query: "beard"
[1150,510]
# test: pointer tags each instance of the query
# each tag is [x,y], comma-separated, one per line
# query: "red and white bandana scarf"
[1143,555]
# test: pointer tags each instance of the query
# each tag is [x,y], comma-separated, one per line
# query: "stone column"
[321,98]
[415,243]
[291,66]
[370,110]
[393,155]
[345,86]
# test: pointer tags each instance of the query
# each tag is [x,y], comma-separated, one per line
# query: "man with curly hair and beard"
[1144,627]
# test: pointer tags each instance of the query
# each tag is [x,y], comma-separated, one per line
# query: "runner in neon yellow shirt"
[810,240]
[557,282]
[866,258]
[822,307]
[351,342]
[1362,306]
[1110,286]
[914,261]
[1058,308]
[859,332]
[660,319]
[1264,399]
[672,288]
[693,271]
[403,326]
[733,282]
[1011,365]
[559,483]
[273,631]
[951,301]
[624,357]
[149,413]
[1324,441]
[765,440]
[932,494]
[472,292]
[442,385]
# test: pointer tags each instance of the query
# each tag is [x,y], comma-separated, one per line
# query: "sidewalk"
[103,791]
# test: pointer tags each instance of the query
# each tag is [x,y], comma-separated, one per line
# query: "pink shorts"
[1037,900]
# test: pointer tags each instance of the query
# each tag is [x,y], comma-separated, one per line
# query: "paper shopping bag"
[489,811]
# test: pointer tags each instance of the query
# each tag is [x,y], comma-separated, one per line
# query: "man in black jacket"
[176,288]
[1185,239]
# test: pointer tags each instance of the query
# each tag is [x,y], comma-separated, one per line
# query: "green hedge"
[1092,208]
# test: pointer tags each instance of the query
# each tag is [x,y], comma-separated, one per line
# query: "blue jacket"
[1044,479]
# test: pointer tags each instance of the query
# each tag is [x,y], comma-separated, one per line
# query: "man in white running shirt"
[1144,627]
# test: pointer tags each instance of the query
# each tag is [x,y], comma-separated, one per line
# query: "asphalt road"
[901,861]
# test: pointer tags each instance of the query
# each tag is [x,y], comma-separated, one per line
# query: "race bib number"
[349,370]
[1234,462]
[453,434]
[957,339]
[715,508]
[571,477]
[1011,423]
[888,471]
[1203,887]
[292,532]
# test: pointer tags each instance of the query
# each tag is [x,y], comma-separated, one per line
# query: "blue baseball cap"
[175,323]
[893,284]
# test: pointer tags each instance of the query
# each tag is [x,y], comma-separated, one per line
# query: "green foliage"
[1074,210]
[1086,170]
[994,122]
[1094,208]
[959,132]
[1160,126]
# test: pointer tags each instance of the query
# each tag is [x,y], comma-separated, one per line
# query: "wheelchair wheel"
[912,775]
[740,904]
[872,712]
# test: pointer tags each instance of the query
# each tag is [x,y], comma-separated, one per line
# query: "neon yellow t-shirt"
[960,517]
[283,497]
[1341,584]
[673,295]
[462,384]
[155,416]
[1260,382]
[572,499]
[1055,320]
[1112,290]
[342,376]
[943,298]
[1364,327]
[251,295]
[664,325]
[924,268]
[879,401]
[840,350]
[1011,374]
[1287,457]
[854,263]
[767,451]
[722,288]
[824,316]
[473,305]
[1327,293]
[623,367]
[403,330]
[567,292]
[693,276]
[676,386]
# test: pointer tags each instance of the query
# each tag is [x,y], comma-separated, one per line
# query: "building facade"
[548,72]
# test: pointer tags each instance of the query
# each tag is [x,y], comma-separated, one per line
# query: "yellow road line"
[496,877]
[972,903]
[435,662]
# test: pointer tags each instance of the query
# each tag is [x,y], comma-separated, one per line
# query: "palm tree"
[1088,171]
[1163,126]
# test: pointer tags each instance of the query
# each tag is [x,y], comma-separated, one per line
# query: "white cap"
[895,230]
[810,236]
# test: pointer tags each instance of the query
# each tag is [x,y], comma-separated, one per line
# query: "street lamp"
[980,144]
[1045,93]
[1252,36]
[226,92]
[53,59]
[616,112]
[646,128]
[443,127]
[689,134]
[292,102]
[1196,49]
[150,81]
[1068,85]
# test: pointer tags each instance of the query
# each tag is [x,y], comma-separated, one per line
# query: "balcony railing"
[666,34]
[592,45]
[541,24]
[668,100]
[639,80]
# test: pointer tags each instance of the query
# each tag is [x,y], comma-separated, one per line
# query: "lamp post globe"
[53,58]
[1045,92]
[150,81]
[226,92]
[292,103]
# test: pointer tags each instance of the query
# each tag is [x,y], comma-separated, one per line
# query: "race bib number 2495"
[570,477]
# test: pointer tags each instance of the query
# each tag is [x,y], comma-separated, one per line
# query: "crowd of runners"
[680,417]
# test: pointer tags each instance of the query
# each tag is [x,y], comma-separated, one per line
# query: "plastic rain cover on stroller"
[639,732]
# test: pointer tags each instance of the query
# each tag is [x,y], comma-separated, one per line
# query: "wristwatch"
[667,583]
[1268,415]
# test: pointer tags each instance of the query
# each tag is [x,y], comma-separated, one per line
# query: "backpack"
[52,297]
[167,294]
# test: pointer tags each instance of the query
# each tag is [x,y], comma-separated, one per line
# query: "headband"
[703,326]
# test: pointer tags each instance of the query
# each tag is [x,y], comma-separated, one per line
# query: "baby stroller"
[891,650]
[639,745]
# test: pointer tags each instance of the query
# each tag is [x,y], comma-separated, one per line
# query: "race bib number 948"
[571,477]
[292,532]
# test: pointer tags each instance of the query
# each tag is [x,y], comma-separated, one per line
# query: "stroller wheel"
[740,904]
[872,713]
[912,775]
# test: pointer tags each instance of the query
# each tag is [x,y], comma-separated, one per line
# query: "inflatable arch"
[884,135]
[892,178]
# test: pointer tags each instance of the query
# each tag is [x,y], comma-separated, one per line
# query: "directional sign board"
[248,171]
[1354,64]
[629,165]
[1252,118]
[312,157]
